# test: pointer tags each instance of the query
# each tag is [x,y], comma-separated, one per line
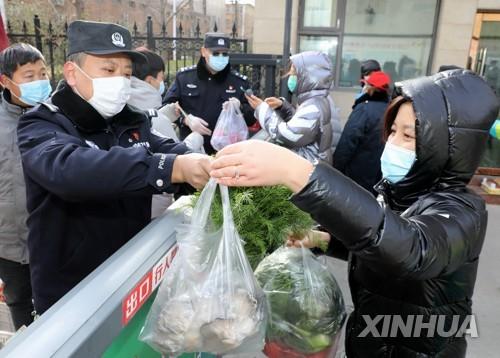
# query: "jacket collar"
[398,198]
[302,97]
[14,110]
[204,74]
[84,116]
[377,97]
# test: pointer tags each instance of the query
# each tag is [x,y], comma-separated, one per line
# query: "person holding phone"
[313,129]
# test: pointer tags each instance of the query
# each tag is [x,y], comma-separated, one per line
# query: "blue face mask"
[34,92]
[218,63]
[396,162]
[292,83]
[162,87]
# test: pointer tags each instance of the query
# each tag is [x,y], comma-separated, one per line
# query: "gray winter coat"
[314,130]
[145,97]
[13,212]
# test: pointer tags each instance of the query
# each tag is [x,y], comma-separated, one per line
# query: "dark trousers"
[17,291]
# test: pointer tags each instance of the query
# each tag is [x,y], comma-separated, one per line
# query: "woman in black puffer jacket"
[414,251]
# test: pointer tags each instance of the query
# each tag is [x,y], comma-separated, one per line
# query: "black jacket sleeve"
[435,242]
[286,111]
[64,165]
[352,134]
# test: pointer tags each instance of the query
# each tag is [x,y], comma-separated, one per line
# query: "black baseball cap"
[101,38]
[216,41]
[368,67]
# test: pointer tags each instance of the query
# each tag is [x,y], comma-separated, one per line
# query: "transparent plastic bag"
[306,305]
[231,127]
[210,300]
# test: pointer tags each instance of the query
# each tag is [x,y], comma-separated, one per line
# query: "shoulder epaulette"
[152,113]
[237,74]
[184,69]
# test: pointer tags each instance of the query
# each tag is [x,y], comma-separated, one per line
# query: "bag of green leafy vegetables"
[210,300]
[306,305]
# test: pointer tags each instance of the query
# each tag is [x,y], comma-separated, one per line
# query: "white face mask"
[110,94]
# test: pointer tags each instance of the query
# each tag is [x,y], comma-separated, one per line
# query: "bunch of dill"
[263,217]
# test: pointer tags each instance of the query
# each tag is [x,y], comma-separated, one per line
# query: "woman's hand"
[259,163]
[253,101]
[312,239]
[274,102]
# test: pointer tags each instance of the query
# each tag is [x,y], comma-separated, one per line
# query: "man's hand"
[192,169]
[312,239]
[274,102]
[198,125]
[253,101]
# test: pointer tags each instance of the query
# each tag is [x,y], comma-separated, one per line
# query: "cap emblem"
[221,42]
[117,39]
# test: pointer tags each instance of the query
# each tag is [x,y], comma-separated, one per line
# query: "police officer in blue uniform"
[92,163]
[202,89]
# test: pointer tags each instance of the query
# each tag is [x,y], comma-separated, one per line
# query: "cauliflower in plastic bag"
[210,300]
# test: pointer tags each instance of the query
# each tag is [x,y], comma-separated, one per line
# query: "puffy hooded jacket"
[416,251]
[314,130]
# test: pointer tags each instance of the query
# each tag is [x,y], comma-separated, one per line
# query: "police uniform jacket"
[89,184]
[202,94]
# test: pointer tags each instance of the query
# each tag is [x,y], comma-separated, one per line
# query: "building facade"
[409,38]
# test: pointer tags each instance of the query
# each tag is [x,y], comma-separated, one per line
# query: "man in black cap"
[92,163]
[202,89]
[367,67]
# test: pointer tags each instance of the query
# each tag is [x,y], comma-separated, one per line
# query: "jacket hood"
[314,71]
[143,95]
[454,111]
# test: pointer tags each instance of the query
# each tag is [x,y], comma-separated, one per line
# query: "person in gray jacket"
[313,129]
[25,82]
[147,88]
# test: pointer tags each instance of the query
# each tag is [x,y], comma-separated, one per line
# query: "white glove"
[169,111]
[194,142]
[236,101]
[233,100]
[197,125]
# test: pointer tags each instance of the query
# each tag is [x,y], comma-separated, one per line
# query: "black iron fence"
[177,52]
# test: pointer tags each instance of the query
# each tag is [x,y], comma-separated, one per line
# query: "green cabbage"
[306,305]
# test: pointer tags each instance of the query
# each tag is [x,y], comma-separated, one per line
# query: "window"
[400,57]
[326,44]
[320,13]
[397,33]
